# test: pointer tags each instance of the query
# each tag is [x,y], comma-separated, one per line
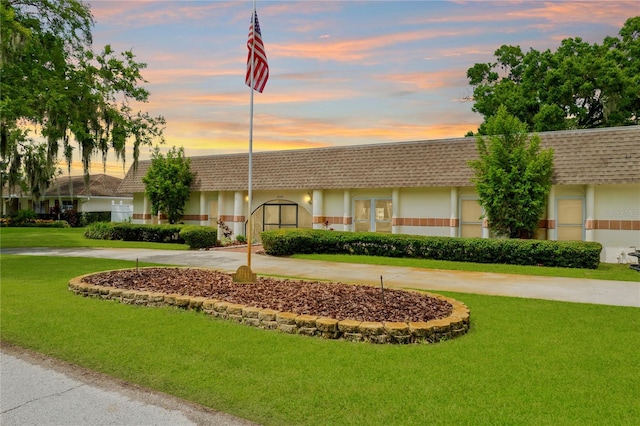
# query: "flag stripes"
[260,67]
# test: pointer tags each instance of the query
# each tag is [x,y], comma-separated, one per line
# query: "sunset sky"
[341,72]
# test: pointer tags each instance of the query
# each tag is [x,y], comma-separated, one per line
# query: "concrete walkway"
[38,390]
[617,293]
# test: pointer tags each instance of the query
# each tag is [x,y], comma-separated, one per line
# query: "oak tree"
[575,87]
[58,95]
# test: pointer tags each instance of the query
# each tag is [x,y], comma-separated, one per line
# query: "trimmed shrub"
[569,254]
[199,236]
[99,231]
[91,217]
[132,232]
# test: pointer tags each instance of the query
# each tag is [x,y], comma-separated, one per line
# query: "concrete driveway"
[617,293]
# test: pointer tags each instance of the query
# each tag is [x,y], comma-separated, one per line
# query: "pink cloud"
[556,12]
[611,12]
[173,100]
[150,12]
[356,50]
[427,80]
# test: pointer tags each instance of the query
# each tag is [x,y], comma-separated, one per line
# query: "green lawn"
[68,237]
[523,361]
[73,237]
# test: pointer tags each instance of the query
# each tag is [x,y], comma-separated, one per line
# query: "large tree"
[578,86]
[168,183]
[56,93]
[512,176]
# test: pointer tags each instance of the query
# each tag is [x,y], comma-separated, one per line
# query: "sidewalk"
[38,390]
[616,293]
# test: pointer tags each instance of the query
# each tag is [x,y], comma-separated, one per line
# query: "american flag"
[260,66]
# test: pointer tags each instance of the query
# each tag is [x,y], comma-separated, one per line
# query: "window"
[41,207]
[276,216]
[279,214]
[373,215]
[67,205]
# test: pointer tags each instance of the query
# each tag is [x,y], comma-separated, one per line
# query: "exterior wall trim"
[232,218]
[613,225]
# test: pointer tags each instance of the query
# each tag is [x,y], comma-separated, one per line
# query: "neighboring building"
[420,188]
[71,193]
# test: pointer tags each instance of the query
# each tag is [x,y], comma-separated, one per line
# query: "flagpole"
[250,195]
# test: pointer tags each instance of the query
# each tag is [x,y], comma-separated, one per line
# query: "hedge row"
[568,254]
[195,236]
[36,223]
[29,218]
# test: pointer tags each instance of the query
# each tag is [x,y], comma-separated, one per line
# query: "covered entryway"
[277,214]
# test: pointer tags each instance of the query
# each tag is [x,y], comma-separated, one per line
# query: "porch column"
[145,209]
[454,220]
[318,208]
[552,230]
[347,218]
[486,231]
[204,217]
[238,213]
[590,201]
[395,209]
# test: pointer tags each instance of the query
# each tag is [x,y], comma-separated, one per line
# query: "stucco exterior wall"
[611,212]
[371,193]
[138,208]
[618,202]
[226,203]
[424,202]
[424,211]
[100,204]
[300,197]
[570,191]
[333,203]
[617,221]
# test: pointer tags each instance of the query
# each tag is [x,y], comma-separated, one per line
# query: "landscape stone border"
[434,331]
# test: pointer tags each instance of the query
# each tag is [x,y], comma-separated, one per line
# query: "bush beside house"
[194,236]
[569,254]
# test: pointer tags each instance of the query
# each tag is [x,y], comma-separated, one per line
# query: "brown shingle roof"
[99,185]
[594,156]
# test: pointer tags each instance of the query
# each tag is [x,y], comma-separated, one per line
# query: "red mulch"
[334,300]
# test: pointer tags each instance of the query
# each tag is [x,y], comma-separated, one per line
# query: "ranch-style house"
[420,188]
[71,193]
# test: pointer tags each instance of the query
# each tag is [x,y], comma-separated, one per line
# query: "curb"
[434,331]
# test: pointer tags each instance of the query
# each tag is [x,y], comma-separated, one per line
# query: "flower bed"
[328,310]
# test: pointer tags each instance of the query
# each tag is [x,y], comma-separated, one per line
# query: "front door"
[570,219]
[275,216]
[372,215]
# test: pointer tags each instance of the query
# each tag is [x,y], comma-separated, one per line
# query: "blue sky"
[341,72]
